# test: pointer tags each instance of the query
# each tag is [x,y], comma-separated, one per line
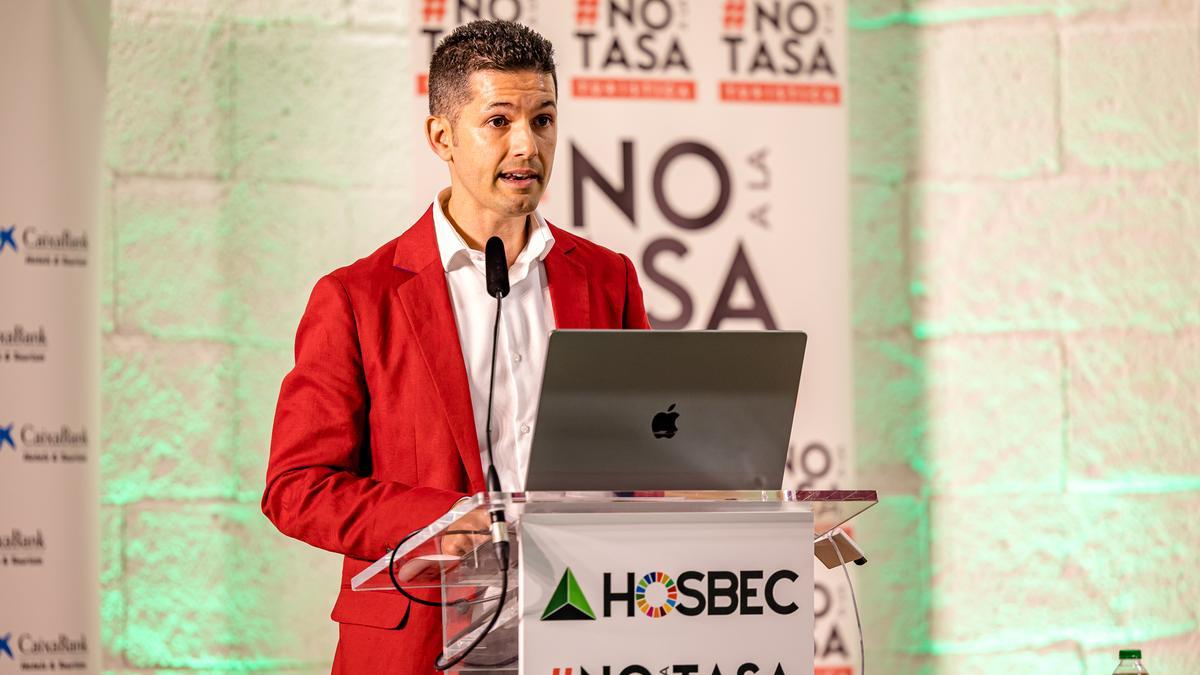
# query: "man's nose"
[522,142]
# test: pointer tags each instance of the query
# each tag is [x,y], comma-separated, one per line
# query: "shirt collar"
[451,245]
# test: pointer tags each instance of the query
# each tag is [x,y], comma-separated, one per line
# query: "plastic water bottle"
[1131,663]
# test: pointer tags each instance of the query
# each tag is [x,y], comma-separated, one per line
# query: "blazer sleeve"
[634,315]
[314,490]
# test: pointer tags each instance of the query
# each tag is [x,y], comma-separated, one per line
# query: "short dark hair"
[483,45]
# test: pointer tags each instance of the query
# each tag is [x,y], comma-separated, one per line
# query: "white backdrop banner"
[52,65]
[707,140]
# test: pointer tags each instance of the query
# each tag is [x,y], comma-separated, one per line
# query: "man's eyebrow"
[494,105]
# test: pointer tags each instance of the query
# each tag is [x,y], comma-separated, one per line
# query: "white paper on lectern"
[672,543]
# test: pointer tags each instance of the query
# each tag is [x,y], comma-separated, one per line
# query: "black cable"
[396,583]
[471,600]
[503,556]
[493,478]
[493,485]
[506,662]
[496,511]
[502,552]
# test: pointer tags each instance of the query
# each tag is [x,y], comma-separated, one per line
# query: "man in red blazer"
[376,429]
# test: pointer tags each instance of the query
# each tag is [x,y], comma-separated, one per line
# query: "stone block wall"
[1026,200]
[250,147]
[1026,237]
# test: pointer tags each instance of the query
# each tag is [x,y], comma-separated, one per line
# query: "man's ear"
[440,134]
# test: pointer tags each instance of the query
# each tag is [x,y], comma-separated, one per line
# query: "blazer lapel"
[425,298]
[567,279]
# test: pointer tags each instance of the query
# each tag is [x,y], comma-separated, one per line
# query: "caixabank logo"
[692,593]
[632,49]
[436,18]
[31,652]
[36,444]
[778,51]
[19,548]
[23,343]
[42,248]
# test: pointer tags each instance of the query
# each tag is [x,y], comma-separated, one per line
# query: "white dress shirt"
[525,324]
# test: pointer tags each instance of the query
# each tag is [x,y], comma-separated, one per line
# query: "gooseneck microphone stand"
[496,271]
[496,266]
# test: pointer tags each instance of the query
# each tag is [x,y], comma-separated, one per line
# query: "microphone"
[496,266]
[496,270]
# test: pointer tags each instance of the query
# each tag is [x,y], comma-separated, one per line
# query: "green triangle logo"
[568,602]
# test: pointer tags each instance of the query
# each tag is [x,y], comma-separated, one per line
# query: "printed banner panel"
[640,593]
[49,335]
[707,140]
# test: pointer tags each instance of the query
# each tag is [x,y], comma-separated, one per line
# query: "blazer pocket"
[378,609]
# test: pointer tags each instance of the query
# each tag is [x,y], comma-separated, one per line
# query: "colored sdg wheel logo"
[647,584]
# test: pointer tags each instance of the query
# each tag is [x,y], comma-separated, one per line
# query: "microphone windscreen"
[496,266]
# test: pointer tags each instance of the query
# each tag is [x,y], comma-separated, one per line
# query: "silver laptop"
[665,410]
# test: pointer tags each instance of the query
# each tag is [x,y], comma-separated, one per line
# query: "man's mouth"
[519,177]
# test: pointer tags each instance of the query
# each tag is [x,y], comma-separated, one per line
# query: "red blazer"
[374,435]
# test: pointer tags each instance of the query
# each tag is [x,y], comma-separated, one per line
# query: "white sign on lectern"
[674,593]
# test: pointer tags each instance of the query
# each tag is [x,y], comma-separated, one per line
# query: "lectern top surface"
[420,559]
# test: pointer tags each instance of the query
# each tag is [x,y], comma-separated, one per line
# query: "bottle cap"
[1131,654]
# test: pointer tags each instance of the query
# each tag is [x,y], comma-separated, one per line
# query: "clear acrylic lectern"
[427,565]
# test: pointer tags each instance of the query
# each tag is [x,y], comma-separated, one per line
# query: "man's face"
[503,142]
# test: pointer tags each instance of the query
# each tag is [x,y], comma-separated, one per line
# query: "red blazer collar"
[417,247]
[567,278]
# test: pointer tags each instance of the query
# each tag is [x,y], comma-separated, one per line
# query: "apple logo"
[663,424]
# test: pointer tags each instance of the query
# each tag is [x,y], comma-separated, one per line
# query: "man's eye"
[544,120]
[497,122]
